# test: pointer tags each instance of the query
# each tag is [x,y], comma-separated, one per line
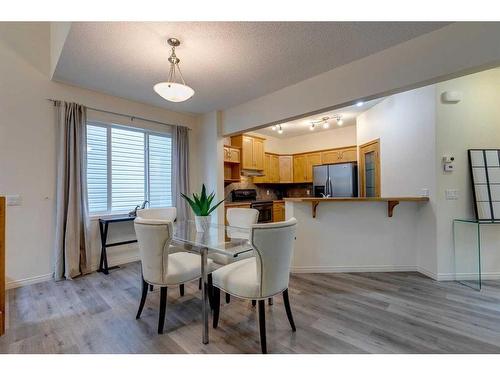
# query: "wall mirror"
[485,172]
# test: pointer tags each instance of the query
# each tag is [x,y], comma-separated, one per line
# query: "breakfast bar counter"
[359,234]
[391,201]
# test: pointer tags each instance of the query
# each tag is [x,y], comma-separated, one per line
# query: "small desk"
[103,229]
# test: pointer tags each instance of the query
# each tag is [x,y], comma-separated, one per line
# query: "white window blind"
[126,166]
[160,171]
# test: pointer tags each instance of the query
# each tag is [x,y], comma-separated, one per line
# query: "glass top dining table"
[217,238]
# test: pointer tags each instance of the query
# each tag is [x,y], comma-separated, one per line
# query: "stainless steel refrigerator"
[335,180]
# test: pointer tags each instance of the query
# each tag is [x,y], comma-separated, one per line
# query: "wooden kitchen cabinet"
[286,168]
[252,151]
[339,155]
[275,168]
[271,170]
[267,171]
[278,211]
[303,166]
[231,154]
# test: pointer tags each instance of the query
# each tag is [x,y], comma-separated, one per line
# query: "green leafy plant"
[202,204]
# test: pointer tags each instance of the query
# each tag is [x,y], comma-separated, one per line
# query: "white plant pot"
[202,223]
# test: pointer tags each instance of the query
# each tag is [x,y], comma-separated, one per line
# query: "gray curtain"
[72,239]
[180,170]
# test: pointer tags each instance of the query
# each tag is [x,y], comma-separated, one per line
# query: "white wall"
[452,50]
[27,145]
[337,137]
[474,122]
[211,164]
[405,124]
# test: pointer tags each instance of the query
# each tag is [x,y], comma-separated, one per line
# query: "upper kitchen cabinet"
[303,166]
[232,169]
[339,155]
[271,170]
[252,151]
[231,154]
[286,168]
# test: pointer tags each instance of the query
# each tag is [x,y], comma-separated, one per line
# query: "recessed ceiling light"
[359,104]
[273,128]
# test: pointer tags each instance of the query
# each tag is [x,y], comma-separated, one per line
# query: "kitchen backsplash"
[275,191]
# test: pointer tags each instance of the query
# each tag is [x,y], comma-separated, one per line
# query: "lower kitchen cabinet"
[278,211]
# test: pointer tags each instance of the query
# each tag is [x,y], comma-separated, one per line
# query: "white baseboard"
[28,281]
[113,261]
[345,269]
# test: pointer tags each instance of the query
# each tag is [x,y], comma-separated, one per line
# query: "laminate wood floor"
[334,313]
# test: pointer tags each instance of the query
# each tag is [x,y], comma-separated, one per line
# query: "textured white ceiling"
[226,63]
[302,126]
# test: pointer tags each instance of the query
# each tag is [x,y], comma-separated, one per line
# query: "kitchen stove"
[265,207]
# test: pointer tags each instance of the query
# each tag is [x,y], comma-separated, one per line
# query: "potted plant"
[202,208]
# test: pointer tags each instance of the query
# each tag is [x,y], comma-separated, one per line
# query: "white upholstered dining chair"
[237,218]
[262,276]
[164,213]
[159,266]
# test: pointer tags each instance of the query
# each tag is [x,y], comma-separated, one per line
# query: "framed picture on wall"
[485,172]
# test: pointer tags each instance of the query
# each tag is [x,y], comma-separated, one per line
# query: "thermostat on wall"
[451,96]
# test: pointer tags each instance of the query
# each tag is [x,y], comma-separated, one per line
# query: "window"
[126,166]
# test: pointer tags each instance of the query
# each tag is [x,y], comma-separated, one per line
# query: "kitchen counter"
[233,204]
[391,201]
[359,234]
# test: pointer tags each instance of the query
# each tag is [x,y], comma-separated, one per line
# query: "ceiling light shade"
[173,92]
[312,126]
[340,122]
[175,88]
[326,125]
[280,130]
[273,128]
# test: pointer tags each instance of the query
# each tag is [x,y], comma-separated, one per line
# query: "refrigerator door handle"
[331,187]
[327,187]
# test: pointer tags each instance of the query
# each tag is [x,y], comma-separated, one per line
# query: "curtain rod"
[131,117]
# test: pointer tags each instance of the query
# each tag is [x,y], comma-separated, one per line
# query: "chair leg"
[163,308]
[228,298]
[181,290]
[262,325]
[143,298]
[270,300]
[210,292]
[216,303]
[288,310]
[254,302]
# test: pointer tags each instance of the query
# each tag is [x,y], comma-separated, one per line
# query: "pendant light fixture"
[175,88]
[280,130]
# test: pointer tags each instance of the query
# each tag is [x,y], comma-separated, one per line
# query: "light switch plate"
[451,194]
[14,200]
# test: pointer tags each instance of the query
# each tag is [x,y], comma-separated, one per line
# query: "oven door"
[265,212]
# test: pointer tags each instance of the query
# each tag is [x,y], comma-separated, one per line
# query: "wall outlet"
[14,200]
[424,192]
[451,194]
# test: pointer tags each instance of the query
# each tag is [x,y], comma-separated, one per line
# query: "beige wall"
[474,122]
[405,125]
[338,137]
[28,150]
